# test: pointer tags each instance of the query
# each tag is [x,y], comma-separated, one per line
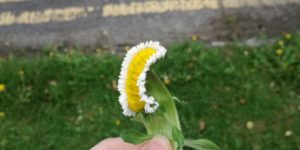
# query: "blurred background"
[234,63]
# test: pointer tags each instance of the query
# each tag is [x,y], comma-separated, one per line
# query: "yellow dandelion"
[279,51]
[2,114]
[194,38]
[131,83]
[21,73]
[52,83]
[249,125]
[2,87]
[287,36]
[51,54]
[246,53]
[280,43]
[166,80]
[118,122]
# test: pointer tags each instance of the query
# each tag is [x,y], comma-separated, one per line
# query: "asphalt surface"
[32,24]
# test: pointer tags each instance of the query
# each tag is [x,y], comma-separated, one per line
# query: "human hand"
[156,143]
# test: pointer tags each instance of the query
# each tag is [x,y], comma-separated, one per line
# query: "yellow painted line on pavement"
[135,8]
[163,6]
[45,16]
[10,1]
[126,9]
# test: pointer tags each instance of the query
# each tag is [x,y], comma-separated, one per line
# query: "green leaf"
[138,117]
[201,144]
[158,90]
[178,137]
[134,136]
[165,120]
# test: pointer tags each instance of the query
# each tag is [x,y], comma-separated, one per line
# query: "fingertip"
[115,144]
[103,145]
[158,143]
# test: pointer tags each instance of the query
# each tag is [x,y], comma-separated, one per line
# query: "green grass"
[62,101]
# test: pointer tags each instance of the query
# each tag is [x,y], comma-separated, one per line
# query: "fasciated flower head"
[132,79]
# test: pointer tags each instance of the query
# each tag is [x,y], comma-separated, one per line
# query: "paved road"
[32,24]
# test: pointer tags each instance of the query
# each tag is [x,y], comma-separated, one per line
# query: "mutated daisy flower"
[132,79]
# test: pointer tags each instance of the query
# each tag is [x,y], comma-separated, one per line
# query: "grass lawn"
[241,98]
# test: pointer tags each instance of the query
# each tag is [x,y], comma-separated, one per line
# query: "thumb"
[157,143]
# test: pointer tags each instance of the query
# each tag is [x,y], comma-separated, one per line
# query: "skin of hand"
[156,143]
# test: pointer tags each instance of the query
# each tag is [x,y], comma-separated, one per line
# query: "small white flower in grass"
[288,133]
[250,125]
[246,53]
[132,79]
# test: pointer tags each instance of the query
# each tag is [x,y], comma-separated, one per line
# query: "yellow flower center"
[135,69]
[2,87]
